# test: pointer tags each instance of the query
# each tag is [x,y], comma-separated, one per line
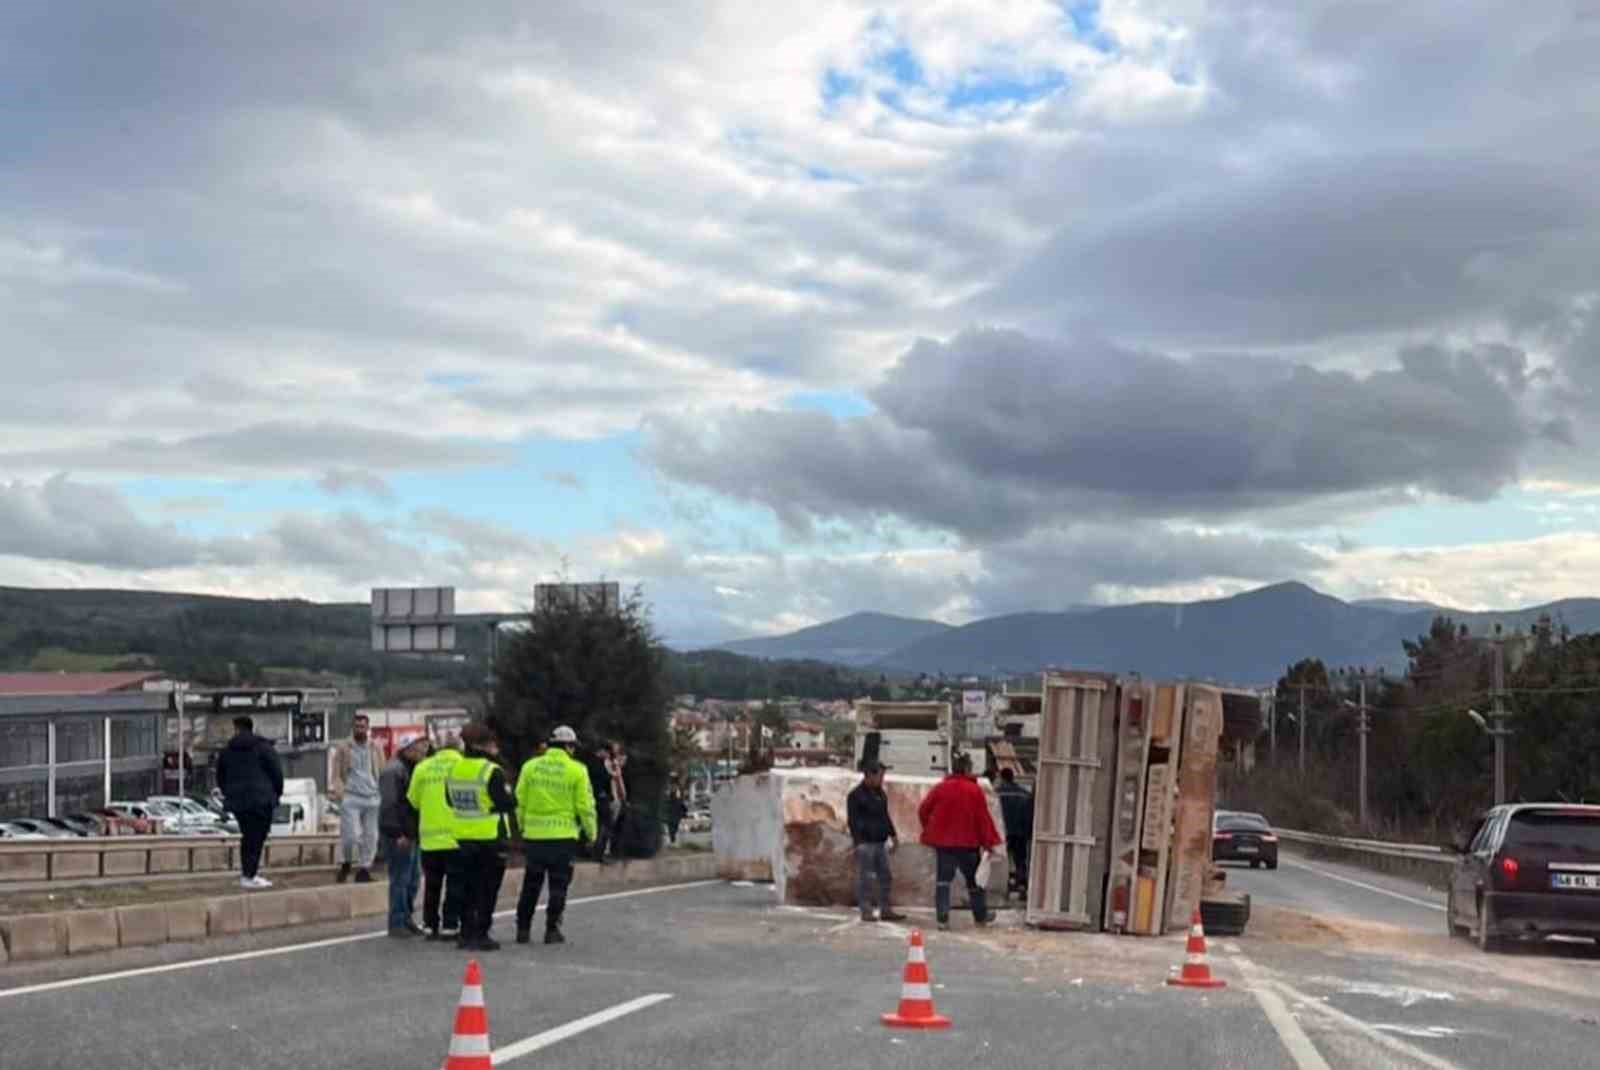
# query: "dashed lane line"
[540,1041]
[1295,1041]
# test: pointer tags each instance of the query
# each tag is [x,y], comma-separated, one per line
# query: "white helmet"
[563,734]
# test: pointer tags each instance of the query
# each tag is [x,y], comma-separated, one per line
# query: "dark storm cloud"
[995,432]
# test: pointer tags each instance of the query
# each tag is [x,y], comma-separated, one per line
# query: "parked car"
[42,826]
[116,823]
[10,831]
[157,816]
[72,827]
[1527,870]
[194,815]
[1243,837]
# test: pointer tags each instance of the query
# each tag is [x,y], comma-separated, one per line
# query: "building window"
[79,741]
[75,794]
[133,737]
[132,787]
[24,743]
[26,799]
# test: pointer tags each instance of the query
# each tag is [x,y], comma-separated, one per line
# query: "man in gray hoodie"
[353,784]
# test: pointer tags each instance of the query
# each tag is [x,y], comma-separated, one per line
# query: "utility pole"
[1271,699]
[1499,731]
[1302,728]
[1364,728]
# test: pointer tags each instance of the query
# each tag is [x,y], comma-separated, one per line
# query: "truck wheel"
[1225,917]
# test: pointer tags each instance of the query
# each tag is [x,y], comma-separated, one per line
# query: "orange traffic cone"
[469,1044]
[916,997]
[1196,974]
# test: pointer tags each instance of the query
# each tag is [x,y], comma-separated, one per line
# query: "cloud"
[278,447]
[354,481]
[67,521]
[996,432]
[569,480]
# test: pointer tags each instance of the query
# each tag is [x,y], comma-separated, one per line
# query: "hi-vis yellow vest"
[554,797]
[436,825]
[471,808]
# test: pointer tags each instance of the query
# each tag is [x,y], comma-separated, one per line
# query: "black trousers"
[253,828]
[947,861]
[435,867]
[480,866]
[605,829]
[1018,848]
[552,858]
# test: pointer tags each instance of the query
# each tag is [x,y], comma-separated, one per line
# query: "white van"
[299,811]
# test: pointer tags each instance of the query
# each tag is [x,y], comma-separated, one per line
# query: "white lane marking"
[1382,1039]
[289,949]
[1369,887]
[539,1041]
[1295,1041]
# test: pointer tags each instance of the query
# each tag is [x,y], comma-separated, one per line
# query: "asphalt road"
[714,976]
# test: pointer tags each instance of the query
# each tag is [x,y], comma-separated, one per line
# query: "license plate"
[1247,848]
[1589,882]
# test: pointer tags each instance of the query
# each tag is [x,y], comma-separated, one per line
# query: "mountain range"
[1248,638]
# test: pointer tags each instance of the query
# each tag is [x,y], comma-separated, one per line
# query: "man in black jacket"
[600,785]
[397,825]
[1016,808]
[251,779]
[871,830]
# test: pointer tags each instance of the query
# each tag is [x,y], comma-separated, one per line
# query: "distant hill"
[1249,638]
[1400,605]
[859,639]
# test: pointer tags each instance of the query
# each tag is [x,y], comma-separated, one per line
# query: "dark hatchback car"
[1241,837]
[1528,870]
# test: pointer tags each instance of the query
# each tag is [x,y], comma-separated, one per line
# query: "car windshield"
[1573,835]
[1241,823]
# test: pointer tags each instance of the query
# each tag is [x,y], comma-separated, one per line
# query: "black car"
[1241,837]
[1528,870]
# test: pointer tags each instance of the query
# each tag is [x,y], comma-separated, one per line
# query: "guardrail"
[89,858]
[1421,860]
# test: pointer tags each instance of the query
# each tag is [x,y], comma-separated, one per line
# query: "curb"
[34,937]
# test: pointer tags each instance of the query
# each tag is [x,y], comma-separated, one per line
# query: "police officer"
[480,804]
[436,836]
[555,804]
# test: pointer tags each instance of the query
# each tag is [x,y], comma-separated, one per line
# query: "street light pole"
[1364,727]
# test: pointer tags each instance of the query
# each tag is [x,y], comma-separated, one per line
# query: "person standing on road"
[397,824]
[956,824]
[480,802]
[872,831]
[1016,809]
[353,784]
[251,780]
[677,810]
[617,770]
[600,785]
[436,836]
[555,807]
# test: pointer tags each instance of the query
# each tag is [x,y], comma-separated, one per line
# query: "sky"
[945,308]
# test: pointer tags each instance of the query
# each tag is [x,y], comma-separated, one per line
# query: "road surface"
[714,975]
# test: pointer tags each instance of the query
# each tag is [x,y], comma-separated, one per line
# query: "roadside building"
[75,741]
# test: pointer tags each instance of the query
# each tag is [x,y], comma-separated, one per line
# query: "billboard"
[607,596]
[413,620]
[974,703]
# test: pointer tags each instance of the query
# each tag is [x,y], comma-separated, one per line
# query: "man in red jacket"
[956,824]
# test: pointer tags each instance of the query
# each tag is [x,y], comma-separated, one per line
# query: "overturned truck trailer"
[1123,803]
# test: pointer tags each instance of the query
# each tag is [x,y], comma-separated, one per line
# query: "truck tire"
[1225,917]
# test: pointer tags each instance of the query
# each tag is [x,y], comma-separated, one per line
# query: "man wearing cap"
[871,831]
[397,824]
[555,805]
[437,837]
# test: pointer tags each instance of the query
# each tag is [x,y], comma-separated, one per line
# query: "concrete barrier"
[138,926]
[133,856]
[187,920]
[34,936]
[227,916]
[90,930]
[42,936]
